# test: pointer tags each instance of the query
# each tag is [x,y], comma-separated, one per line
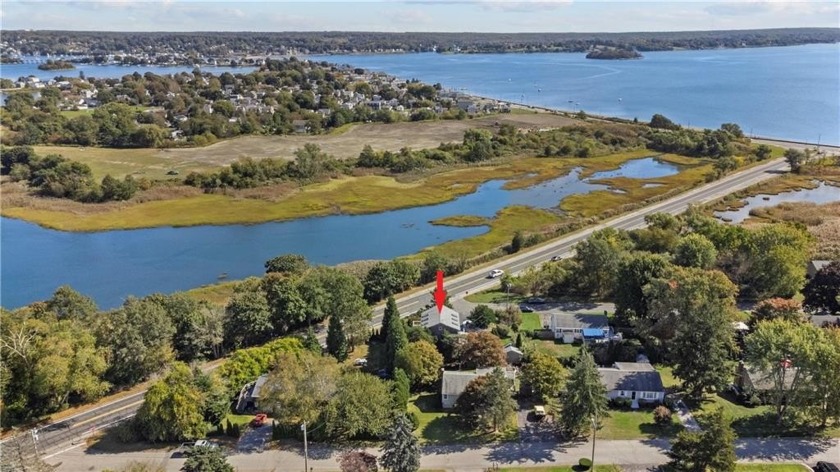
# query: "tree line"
[222,44]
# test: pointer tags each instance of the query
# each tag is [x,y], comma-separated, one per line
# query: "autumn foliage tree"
[480,349]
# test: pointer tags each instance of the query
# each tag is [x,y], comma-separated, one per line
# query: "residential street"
[638,454]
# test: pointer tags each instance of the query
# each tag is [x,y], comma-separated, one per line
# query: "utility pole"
[594,430]
[305,449]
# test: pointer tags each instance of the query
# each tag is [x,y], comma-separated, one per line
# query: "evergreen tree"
[710,449]
[400,390]
[395,341]
[518,343]
[585,397]
[337,345]
[310,341]
[401,451]
[390,313]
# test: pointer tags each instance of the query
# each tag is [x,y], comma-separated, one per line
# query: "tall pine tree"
[395,338]
[401,451]
[400,390]
[585,397]
[337,344]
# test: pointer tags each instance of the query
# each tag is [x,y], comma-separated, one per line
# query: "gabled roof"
[631,380]
[512,348]
[447,317]
[578,321]
[454,382]
[257,386]
[634,366]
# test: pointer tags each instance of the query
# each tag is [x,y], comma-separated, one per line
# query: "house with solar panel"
[572,327]
[443,321]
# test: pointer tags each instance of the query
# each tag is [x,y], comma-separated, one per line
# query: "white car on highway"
[495,273]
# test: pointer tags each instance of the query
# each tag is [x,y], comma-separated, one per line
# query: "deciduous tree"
[206,459]
[301,386]
[482,316]
[421,362]
[786,354]
[774,308]
[822,292]
[690,313]
[172,408]
[487,402]
[710,449]
[480,349]
[544,374]
[695,250]
[362,410]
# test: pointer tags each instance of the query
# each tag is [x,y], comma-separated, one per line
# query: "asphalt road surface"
[67,433]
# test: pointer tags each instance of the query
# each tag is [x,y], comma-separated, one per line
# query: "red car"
[259,420]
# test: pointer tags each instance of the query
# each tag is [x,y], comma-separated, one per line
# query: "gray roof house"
[441,321]
[574,327]
[814,267]
[513,355]
[454,382]
[638,381]
[249,396]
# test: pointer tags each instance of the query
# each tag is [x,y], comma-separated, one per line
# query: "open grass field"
[344,142]
[554,348]
[494,296]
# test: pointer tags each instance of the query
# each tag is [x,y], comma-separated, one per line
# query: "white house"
[638,381]
[578,327]
[454,382]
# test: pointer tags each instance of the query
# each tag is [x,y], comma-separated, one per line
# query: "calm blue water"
[785,92]
[821,194]
[110,265]
[15,71]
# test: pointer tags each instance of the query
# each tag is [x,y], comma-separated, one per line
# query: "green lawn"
[556,349]
[667,374]
[439,427]
[494,296]
[775,467]
[636,425]
[759,421]
[531,321]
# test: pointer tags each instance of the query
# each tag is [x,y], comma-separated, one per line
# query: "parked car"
[536,300]
[525,308]
[826,467]
[259,420]
[556,258]
[360,362]
[495,273]
[539,412]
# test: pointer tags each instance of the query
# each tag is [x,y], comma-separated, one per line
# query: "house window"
[444,397]
[649,395]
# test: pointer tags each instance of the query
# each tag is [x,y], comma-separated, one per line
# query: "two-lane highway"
[477,279]
[66,433]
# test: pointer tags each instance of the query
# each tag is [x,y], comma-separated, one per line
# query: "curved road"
[70,432]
